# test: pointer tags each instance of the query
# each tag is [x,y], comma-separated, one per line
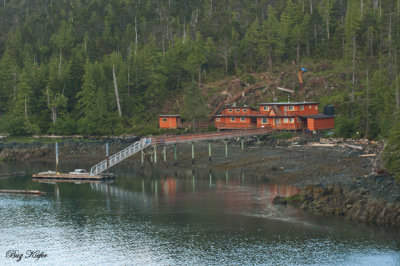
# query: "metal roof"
[289,103]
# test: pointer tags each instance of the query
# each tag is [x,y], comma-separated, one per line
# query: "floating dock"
[50,175]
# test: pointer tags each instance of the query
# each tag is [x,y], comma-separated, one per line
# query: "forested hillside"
[107,67]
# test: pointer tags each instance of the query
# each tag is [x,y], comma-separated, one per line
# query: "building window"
[233,119]
[266,108]
[242,119]
[309,107]
[264,120]
[230,110]
[301,107]
[237,110]
[285,120]
[298,119]
[278,121]
[291,107]
[164,120]
[244,110]
[316,107]
[218,119]
[291,120]
[285,108]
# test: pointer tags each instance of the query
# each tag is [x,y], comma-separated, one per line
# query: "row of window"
[237,110]
[291,107]
[233,119]
[265,120]
[278,120]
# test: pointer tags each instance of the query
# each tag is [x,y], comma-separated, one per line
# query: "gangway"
[175,139]
[120,156]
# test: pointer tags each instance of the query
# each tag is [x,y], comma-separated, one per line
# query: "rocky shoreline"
[373,200]
[335,179]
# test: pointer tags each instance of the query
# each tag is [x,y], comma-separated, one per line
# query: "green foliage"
[392,150]
[194,107]
[56,60]
[344,127]
[247,78]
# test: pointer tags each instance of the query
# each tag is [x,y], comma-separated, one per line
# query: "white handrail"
[120,156]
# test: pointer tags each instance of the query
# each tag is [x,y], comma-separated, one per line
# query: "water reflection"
[188,216]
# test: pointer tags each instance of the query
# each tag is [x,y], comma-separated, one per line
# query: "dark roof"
[238,107]
[234,115]
[169,115]
[289,103]
[237,115]
[317,116]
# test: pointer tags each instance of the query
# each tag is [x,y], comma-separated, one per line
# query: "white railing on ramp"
[120,156]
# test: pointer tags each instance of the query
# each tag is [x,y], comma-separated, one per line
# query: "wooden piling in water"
[192,153]
[175,155]
[155,154]
[209,152]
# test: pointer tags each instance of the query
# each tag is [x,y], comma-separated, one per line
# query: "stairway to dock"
[175,139]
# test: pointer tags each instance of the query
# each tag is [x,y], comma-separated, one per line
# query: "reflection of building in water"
[232,191]
[169,186]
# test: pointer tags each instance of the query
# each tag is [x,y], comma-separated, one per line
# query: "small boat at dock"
[75,176]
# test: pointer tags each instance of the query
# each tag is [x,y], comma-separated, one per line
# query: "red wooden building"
[170,121]
[277,115]
[236,118]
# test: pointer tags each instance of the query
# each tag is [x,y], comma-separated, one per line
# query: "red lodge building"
[277,115]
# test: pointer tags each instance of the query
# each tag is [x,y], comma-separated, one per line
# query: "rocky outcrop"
[374,201]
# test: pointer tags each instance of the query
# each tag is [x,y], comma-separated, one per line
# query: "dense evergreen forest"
[106,67]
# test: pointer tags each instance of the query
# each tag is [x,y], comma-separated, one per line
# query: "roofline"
[169,115]
[289,103]
[239,107]
[278,116]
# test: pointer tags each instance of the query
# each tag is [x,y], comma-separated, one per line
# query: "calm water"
[197,219]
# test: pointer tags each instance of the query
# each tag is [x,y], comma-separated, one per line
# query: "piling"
[165,153]
[226,149]
[155,154]
[209,152]
[175,155]
[192,153]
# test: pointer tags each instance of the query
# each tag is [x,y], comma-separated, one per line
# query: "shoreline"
[334,180]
